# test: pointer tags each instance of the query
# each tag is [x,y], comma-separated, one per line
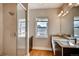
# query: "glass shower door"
[21,29]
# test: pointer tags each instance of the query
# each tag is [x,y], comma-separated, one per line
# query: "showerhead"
[11,13]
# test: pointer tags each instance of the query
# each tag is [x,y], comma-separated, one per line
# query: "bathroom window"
[21,28]
[41,27]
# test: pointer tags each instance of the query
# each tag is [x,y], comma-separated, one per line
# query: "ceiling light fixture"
[70,4]
[60,13]
[65,13]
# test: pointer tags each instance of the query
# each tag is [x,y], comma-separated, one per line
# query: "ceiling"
[44,5]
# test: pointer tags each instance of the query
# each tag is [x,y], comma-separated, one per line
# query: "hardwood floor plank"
[41,53]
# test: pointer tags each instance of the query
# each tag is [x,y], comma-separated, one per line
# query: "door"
[10,19]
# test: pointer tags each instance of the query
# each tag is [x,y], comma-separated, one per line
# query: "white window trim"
[46,36]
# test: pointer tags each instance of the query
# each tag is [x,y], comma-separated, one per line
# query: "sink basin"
[67,43]
[71,44]
[64,42]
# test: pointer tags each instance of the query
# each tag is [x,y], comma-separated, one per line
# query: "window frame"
[41,36]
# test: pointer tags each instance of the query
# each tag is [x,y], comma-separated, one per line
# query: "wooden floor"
[41,53]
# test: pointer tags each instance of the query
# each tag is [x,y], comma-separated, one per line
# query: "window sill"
[40,37]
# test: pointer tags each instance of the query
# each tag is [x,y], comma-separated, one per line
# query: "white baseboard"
[42,48]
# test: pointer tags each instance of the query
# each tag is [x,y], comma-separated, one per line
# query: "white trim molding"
[42,48]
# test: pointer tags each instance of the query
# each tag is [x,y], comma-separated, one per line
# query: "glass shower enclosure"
[13,29]
[21,30]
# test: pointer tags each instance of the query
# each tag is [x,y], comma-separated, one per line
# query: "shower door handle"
[14,34]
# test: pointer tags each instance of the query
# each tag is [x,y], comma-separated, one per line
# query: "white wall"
[53,25]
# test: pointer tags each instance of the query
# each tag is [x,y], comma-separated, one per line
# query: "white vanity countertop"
[63,42]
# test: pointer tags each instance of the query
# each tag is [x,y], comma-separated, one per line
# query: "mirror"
[70,22]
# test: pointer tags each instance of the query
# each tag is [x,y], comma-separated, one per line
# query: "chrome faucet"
[75,40]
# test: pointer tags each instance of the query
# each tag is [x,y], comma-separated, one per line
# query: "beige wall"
[53,25]
[9,29]
[1,29]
